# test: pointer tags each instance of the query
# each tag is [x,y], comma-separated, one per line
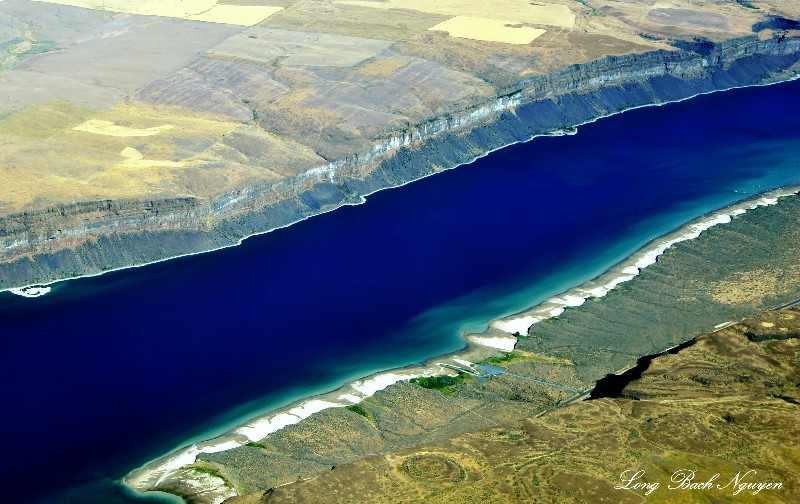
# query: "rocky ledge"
[88,238]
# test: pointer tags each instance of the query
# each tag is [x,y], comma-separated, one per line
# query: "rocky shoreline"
[90,238]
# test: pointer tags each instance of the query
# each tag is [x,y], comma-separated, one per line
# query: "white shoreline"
[136,479]
[569,130]
[31,291]
[159,468]
[151,474]
[631,267]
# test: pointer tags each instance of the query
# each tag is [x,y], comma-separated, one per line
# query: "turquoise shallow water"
[109,372]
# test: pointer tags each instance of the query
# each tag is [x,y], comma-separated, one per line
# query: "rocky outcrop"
[88,238]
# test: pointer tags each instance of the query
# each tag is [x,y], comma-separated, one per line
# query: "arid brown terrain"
[696,285]
[726,405]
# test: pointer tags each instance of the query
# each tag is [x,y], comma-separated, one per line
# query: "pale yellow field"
[243,15]
[198,10]
[57,152]
[518,10]
[135,159]
[108,128]
[490,30]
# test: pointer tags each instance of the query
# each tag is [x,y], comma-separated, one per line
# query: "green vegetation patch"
[211,471]
[444,384]
[357,408]
[39,48]
[506,357]
[746,4]
[790,400]
[594,11]
[525,357]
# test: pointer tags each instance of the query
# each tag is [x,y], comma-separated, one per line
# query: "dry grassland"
[380,24]
[135,159]
[725,405]
[108,128]
[299,48]
[680,18]
[197,10]
[523,12]
[490,30]
[749,286]
[201,108]
[381,67]
[133,150]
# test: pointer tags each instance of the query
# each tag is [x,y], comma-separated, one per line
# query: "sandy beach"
[631,267]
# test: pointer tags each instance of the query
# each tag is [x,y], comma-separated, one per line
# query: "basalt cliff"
[131,135]
[76,239]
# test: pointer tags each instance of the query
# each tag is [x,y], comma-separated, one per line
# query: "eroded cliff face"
[88,238]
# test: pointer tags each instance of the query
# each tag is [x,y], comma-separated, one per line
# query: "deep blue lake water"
[107,373]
